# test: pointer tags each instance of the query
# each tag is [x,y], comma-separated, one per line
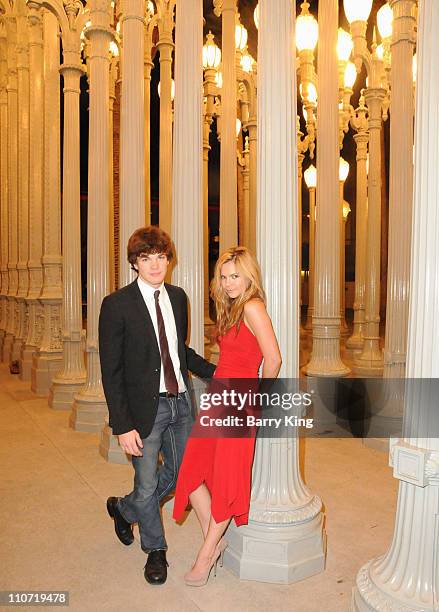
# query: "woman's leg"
[209,550]
[200,502]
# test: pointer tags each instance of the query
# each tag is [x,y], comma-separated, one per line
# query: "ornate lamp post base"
[370,362]
[27,355]
[109,447]
[277,553]
[44,367]
[7,347]
[63,390]
[88,412]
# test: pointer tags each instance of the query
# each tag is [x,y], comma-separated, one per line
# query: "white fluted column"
[48,359]
[114,69]
[228,230]
[325,357]
[401,187]
[23,191]
[12,122]
[3,187]
[283,541]
[360,123]
[165,47]
[188,164]
[36,166]
[406,577]
[370,361]
[72,375]
[132,142]
[90,408]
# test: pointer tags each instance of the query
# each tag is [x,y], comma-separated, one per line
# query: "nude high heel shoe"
[202,580]
[220,548]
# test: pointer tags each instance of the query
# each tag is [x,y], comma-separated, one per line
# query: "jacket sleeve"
[195,363]
[111,347]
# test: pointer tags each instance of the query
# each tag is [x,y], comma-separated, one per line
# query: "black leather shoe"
[156,566]
[123,529]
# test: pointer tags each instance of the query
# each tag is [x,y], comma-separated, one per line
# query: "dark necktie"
[168,368]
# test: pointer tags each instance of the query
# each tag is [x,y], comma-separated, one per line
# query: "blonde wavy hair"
[230,311]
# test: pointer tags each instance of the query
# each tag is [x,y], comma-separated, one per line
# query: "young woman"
[215,475]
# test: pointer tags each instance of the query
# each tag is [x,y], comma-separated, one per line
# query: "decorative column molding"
[187,177]
[325,357]
[132,144]
[360,124]
[228,231]
[401,187]
[406,577]
[3,186]
[71,377]
[90,408]
[48,359]
[283,541]
[36,192]
[23,189]
[12,183]
[165,45]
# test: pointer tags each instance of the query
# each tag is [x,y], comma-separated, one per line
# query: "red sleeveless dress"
[223,464]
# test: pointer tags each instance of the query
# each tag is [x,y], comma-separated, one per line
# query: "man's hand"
[131,442]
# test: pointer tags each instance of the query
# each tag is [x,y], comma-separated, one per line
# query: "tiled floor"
[56,534]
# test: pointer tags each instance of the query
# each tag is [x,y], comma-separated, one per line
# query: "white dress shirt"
[171,331]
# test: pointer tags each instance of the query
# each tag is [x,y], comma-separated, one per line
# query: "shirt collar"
[147,290]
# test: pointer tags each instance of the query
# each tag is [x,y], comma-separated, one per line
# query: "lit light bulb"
[344,45]
[350,75]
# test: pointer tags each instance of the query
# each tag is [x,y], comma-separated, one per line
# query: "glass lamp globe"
[211,53]
[310,176]
[247,62]
[350,75]
[219,79]
[240,36]
[307,31]
[346,209]
[238,126]
[150,7]
[357,10]
[343,169]
[385,21]
[256,16]
[344,45]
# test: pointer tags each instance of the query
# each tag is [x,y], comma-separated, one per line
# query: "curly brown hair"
[148,241]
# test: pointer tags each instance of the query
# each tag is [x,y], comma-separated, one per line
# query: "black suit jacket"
[130,357]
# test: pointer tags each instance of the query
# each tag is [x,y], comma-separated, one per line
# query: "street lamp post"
[344,210]
[370,361]
[310,175]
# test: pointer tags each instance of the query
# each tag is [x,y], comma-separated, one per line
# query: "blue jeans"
[152,483]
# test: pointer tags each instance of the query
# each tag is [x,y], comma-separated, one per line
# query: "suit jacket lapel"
[175,308]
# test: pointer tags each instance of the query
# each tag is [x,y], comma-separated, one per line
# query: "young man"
[145,363]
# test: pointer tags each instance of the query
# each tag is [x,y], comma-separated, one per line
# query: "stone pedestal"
[109,447]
